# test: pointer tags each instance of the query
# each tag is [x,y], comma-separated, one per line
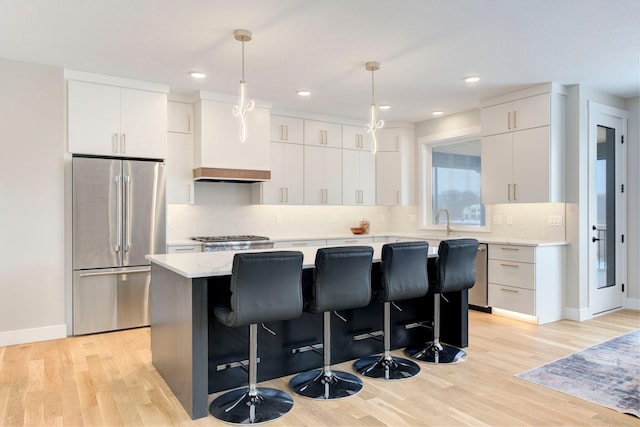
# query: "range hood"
[231,175]
[218,155]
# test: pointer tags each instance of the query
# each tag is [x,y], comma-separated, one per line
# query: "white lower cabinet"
[527,280]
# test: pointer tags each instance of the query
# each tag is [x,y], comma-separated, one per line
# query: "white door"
[607,208]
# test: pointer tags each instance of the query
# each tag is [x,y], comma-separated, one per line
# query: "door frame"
[604,115]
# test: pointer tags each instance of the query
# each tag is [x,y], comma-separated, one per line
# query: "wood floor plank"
[108,379]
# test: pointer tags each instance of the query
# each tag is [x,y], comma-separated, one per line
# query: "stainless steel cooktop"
[241,238]
[233,243]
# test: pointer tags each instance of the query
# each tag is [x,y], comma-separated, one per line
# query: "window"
[452,180]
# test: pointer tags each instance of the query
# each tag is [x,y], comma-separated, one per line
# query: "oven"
[233,243]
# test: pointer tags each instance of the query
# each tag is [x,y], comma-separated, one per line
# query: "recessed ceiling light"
[385,107]
[472,79]
[437,113]
[197,74]
[304,93]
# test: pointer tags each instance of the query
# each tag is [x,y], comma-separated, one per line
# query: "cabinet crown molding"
[524,93]
[115,81]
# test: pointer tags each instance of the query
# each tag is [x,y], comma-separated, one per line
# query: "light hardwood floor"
[108,379]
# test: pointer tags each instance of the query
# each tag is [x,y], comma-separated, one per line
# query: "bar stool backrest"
[265,287]
[404,271]
[342,279]
[456,265]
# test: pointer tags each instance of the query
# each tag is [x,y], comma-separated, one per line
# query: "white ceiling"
[425,47]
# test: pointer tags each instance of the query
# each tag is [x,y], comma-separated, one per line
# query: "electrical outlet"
[381,218]
[555,220]
[509,219]
[413,218]
[278,219]
[497,219]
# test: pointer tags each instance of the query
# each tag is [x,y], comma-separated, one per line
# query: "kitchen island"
[196,355]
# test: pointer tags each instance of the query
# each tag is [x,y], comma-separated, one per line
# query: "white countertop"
[208,264]
[425,236]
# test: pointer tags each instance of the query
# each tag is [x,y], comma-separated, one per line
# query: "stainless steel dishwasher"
[478,297]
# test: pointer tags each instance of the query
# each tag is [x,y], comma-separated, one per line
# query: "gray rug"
[607,374]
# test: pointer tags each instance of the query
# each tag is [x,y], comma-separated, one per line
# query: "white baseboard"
[577,314]
[23,336]
[632,303]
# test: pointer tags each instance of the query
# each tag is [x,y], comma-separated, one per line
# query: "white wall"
[633,203]
[32,276]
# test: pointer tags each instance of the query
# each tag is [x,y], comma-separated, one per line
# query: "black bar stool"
[404,276]
[342,280]
[265,287]
[455,270]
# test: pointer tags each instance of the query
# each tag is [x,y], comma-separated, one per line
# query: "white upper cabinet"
[358,177]
[522,147]
[285,186]
[324,134]
[217,140]
[322,175]
[180,188]
[287,129]
[355,138]
[395,166]
[179,117]
[110,120]
[525,113]
[389,139]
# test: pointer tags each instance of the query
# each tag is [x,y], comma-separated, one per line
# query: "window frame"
[425,205]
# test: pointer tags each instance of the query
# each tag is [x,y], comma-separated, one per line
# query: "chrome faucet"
[449,230]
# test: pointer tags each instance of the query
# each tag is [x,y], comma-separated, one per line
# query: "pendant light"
[374,125]
[244,106]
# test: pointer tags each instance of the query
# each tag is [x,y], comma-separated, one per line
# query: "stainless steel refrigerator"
[118,218]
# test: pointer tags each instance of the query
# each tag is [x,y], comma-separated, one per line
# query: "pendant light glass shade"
[374,125]
[244,106]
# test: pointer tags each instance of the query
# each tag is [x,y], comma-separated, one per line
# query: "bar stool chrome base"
[437,353]
[386,368]
[238,407]
[321,384]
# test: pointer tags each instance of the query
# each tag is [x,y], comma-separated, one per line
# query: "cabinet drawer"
[518,274]
[380,240]
[350,241]
[298,243]
[513,299]
[512,253]
[182,249]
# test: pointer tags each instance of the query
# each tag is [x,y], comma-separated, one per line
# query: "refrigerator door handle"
[118,244]
[111,272]
[126,219]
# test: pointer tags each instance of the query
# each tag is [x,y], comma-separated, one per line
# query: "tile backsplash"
[225,209]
